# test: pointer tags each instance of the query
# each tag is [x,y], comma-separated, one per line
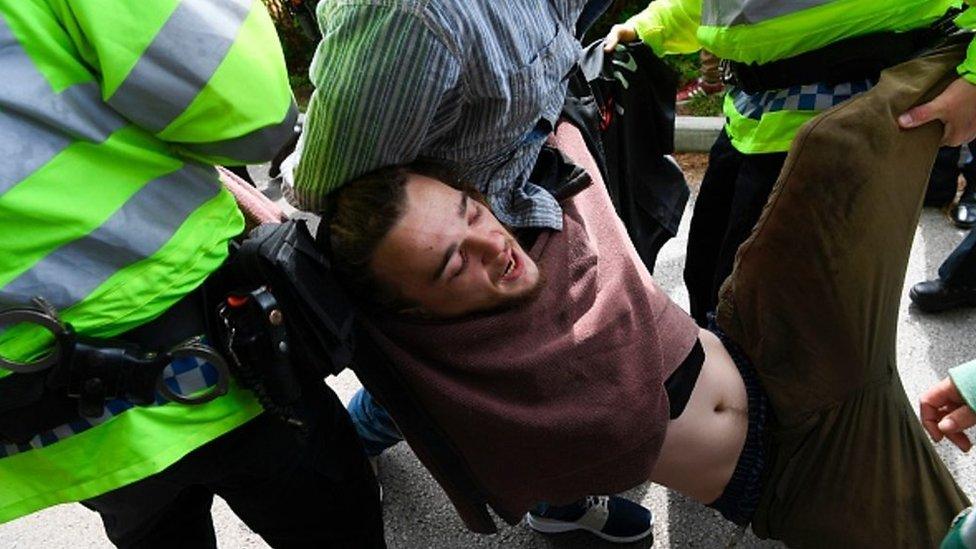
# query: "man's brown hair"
[363,211]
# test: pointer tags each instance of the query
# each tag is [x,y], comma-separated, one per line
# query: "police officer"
[110,123]
[790,61]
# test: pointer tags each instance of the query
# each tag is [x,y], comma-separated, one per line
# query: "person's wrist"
[964,378]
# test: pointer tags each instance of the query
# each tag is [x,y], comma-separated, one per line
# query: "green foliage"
[298,47]
[619,11]
[687,65]
[705,105]
[302,88]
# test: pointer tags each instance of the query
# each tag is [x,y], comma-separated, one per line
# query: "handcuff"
[96,370]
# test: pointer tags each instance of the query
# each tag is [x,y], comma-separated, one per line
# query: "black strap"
[559,175]
[32,403]
[28,408]
[858,58]
[681,382]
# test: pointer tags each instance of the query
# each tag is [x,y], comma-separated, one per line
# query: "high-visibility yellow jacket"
[759,31]
[112,115]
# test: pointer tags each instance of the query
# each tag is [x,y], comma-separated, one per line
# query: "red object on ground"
[696,88]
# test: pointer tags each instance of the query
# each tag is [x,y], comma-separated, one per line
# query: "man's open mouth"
[513,269]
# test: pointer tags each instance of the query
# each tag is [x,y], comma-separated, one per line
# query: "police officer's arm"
[947,407]
[207,76]
[667,26]
[380,75]
[956,106]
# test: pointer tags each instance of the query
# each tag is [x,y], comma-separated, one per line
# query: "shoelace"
[598,501]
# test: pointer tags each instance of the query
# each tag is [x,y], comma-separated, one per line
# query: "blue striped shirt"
[479,83]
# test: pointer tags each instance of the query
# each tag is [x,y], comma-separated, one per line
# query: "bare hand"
[955,107]
[621,34]
[946,414]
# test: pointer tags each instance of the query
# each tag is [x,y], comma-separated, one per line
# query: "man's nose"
[489,244]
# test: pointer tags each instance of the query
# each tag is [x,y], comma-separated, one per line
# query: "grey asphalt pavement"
[418,514]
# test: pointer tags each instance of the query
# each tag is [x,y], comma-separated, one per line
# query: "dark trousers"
[293,491]
[944,179]
[960,267]
[732,195]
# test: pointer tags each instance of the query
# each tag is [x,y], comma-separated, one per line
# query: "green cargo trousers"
[813,300]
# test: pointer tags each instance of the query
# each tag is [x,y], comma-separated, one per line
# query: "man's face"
[451,256]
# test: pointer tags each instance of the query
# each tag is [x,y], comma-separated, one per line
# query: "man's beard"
[519,300]
[522,299]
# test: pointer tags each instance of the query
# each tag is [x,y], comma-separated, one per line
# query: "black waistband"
[681,382]
[858,58]
[740,498]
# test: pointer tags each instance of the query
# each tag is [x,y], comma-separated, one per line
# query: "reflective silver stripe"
[35,122]
[728,13]
[180,61]
[256,147]
[137,230]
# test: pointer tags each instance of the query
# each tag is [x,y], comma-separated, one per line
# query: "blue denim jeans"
[373,424]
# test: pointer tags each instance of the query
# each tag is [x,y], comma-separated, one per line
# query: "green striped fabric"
[465,81]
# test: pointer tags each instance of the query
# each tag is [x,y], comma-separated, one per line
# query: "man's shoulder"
[422,8]
[431,11]
[440,17]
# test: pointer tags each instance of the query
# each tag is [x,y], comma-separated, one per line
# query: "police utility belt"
[272,316]
[858,58]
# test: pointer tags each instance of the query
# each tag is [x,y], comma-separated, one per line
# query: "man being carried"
[478,82]
[563,352]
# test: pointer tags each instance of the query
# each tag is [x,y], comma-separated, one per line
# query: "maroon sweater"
[564,396]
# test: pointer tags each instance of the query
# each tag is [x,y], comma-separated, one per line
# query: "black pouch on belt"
[23,397]
[280,270]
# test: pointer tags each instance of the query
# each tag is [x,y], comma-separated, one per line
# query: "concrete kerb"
[696,133]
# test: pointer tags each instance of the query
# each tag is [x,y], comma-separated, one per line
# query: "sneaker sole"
[548,526]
